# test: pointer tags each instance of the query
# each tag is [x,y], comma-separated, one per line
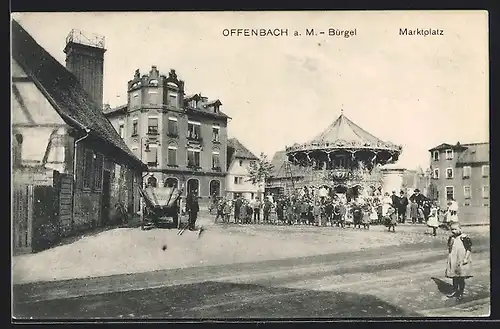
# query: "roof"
[344,129]
[343,133]
[448,146]
[109,110]
[278,161]
[62,88]
[237,150]
[475,153]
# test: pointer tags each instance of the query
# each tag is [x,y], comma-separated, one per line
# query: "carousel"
[343,159]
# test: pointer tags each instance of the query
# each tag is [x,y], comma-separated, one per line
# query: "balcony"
[194,139]
[217,169]
[194,167]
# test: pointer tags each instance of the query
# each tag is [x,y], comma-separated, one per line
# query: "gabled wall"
[40,136]
[246,188]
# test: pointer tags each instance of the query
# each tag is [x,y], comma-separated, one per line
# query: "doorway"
[106,198]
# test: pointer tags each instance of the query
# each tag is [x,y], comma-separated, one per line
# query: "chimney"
[85,59]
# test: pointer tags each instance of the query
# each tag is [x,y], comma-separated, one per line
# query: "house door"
[106,200]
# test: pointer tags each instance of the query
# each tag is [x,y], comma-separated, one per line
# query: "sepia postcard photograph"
[250,165]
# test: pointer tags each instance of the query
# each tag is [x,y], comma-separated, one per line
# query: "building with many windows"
[462,172]
[182,139]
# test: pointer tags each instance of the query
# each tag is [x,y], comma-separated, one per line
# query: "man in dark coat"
[417,198]
[192,208]
[403,205]
[395,200]
[237,208]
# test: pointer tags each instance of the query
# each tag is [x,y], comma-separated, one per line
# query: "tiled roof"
[278,161]
[235,149]
[64,90]
[447,146]
[475,153]
[114,109]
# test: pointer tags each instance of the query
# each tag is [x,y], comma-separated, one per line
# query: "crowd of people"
[320,207]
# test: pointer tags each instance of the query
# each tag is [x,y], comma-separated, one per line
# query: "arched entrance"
[193,185]
[214,188]
[152,181]
[171,182]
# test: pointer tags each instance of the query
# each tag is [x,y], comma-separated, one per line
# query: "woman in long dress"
[458,265]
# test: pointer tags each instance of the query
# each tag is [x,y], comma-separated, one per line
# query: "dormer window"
[136,85]
[153,83]
[173,85]
[216,109]
[194,103]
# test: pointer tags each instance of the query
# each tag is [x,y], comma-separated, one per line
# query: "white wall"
[393,180]
[246,187]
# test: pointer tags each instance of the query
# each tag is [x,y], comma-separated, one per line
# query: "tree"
[260,170]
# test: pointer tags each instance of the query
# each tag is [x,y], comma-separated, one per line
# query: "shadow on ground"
[444,287]
[213,300]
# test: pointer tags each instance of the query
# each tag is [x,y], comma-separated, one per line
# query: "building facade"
[182,139]
[66,155]
[238,180]
[462,172]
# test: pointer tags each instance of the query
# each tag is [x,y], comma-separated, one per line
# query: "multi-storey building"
[182,139]
[462,172]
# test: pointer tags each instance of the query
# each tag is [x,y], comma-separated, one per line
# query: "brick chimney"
[85,59]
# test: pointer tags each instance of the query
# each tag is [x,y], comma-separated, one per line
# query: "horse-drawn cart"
[160,207]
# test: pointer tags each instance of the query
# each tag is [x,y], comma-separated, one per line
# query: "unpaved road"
[406,280]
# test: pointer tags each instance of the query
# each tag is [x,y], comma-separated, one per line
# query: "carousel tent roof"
[344,129]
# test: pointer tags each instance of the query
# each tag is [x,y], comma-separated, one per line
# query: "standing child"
[433,222]
[317,214]
[391,219]
[458,266]
[228,208]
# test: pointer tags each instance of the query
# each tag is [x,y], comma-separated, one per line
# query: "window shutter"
[172,157]
[152,155]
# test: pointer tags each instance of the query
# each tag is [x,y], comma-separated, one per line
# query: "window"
[467,172]
[194,103]
[486,191]
[153,83]
[97,171]
[172,127]
[238,180]
[135,127]
[193,158]
[152,181]
[172,156]
[215,160]
[436,173]
[135,100]
[435,155]
[171,182]
[449,173]
[194,130]
[450,193]
[216,134]
[172,99]
[121,129]
[467,193]
[87,169]
[152,126]
[449,154]
[241,163]
[152,155]
[485,170]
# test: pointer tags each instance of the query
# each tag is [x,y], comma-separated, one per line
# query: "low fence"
[41,214]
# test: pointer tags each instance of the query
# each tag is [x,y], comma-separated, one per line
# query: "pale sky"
[411,90]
